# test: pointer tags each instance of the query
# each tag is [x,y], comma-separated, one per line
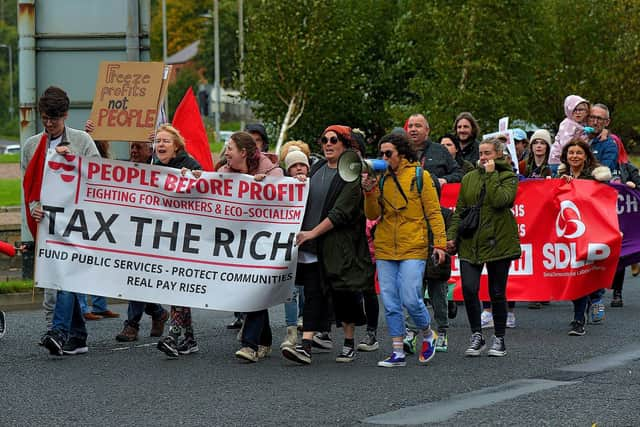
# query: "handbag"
[470,218]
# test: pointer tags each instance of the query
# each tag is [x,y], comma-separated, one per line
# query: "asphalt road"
[547,378]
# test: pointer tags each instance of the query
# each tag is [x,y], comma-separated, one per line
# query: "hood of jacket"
[570,104]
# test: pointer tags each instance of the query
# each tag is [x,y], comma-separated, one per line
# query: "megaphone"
[351,166]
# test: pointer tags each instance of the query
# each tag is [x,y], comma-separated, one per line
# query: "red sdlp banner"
[569,235]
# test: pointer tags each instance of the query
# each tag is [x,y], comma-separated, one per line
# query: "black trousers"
[318,298]
[498,272]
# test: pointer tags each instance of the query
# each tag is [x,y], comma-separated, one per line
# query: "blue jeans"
[68,320]
[401,285]
[99,304]
[137,308]
[293,307]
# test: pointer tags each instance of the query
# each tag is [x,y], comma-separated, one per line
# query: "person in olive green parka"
[494,242]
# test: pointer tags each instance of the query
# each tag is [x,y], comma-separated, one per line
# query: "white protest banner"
[147,233]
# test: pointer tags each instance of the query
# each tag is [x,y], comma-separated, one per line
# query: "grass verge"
[15,286]
[10,192]
[10,158]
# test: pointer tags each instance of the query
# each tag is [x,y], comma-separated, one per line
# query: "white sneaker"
[511,320]
[486,319]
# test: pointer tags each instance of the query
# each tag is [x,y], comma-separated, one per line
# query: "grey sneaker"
[476,346]
[369,342]
[497,347]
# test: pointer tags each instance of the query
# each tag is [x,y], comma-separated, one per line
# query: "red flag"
[188,121]
[7,249]
[32,182]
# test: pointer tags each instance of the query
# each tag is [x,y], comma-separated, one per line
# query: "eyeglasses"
[333,140]
[52,120]
[598,118]
[387,153]
[580,110]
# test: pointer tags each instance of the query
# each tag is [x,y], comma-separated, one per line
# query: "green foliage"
[10,192]
[187,77]
[10,158]
[324,52]
[371,63]
[14,286]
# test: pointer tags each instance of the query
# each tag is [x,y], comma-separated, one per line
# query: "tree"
[311,63]
[477,56]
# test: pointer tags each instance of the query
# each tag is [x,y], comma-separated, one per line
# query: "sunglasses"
[333,140]
[387,153]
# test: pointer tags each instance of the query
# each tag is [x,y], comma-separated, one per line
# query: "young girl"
[296,163]
[576,110]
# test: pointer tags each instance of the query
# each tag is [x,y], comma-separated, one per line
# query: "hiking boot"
[291,339]
[511,320]
[129,333]
[442,342]
[248,354]
[297,354]
[264,351]
[75,346]
[486,319]
[157,325]
[347,355]
[322,340]
[188,345]
[168,346]
[577,329]
[497,347]
[369,342]
[409,341]
[476,346]
[617,299]
[53,343]
[393,361]
[428,348]
[3,324]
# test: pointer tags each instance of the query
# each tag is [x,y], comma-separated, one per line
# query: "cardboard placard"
[125,105]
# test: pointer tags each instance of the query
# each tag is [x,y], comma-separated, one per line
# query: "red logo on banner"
[569,237]
[64,167]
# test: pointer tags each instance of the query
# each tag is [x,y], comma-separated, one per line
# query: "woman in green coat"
[494,243]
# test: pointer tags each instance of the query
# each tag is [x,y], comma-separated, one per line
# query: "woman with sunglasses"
[333,259]
[402,242]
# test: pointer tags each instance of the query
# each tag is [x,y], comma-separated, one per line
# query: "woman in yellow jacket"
[404,201]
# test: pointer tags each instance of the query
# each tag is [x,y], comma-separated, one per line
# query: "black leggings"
[498,272]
